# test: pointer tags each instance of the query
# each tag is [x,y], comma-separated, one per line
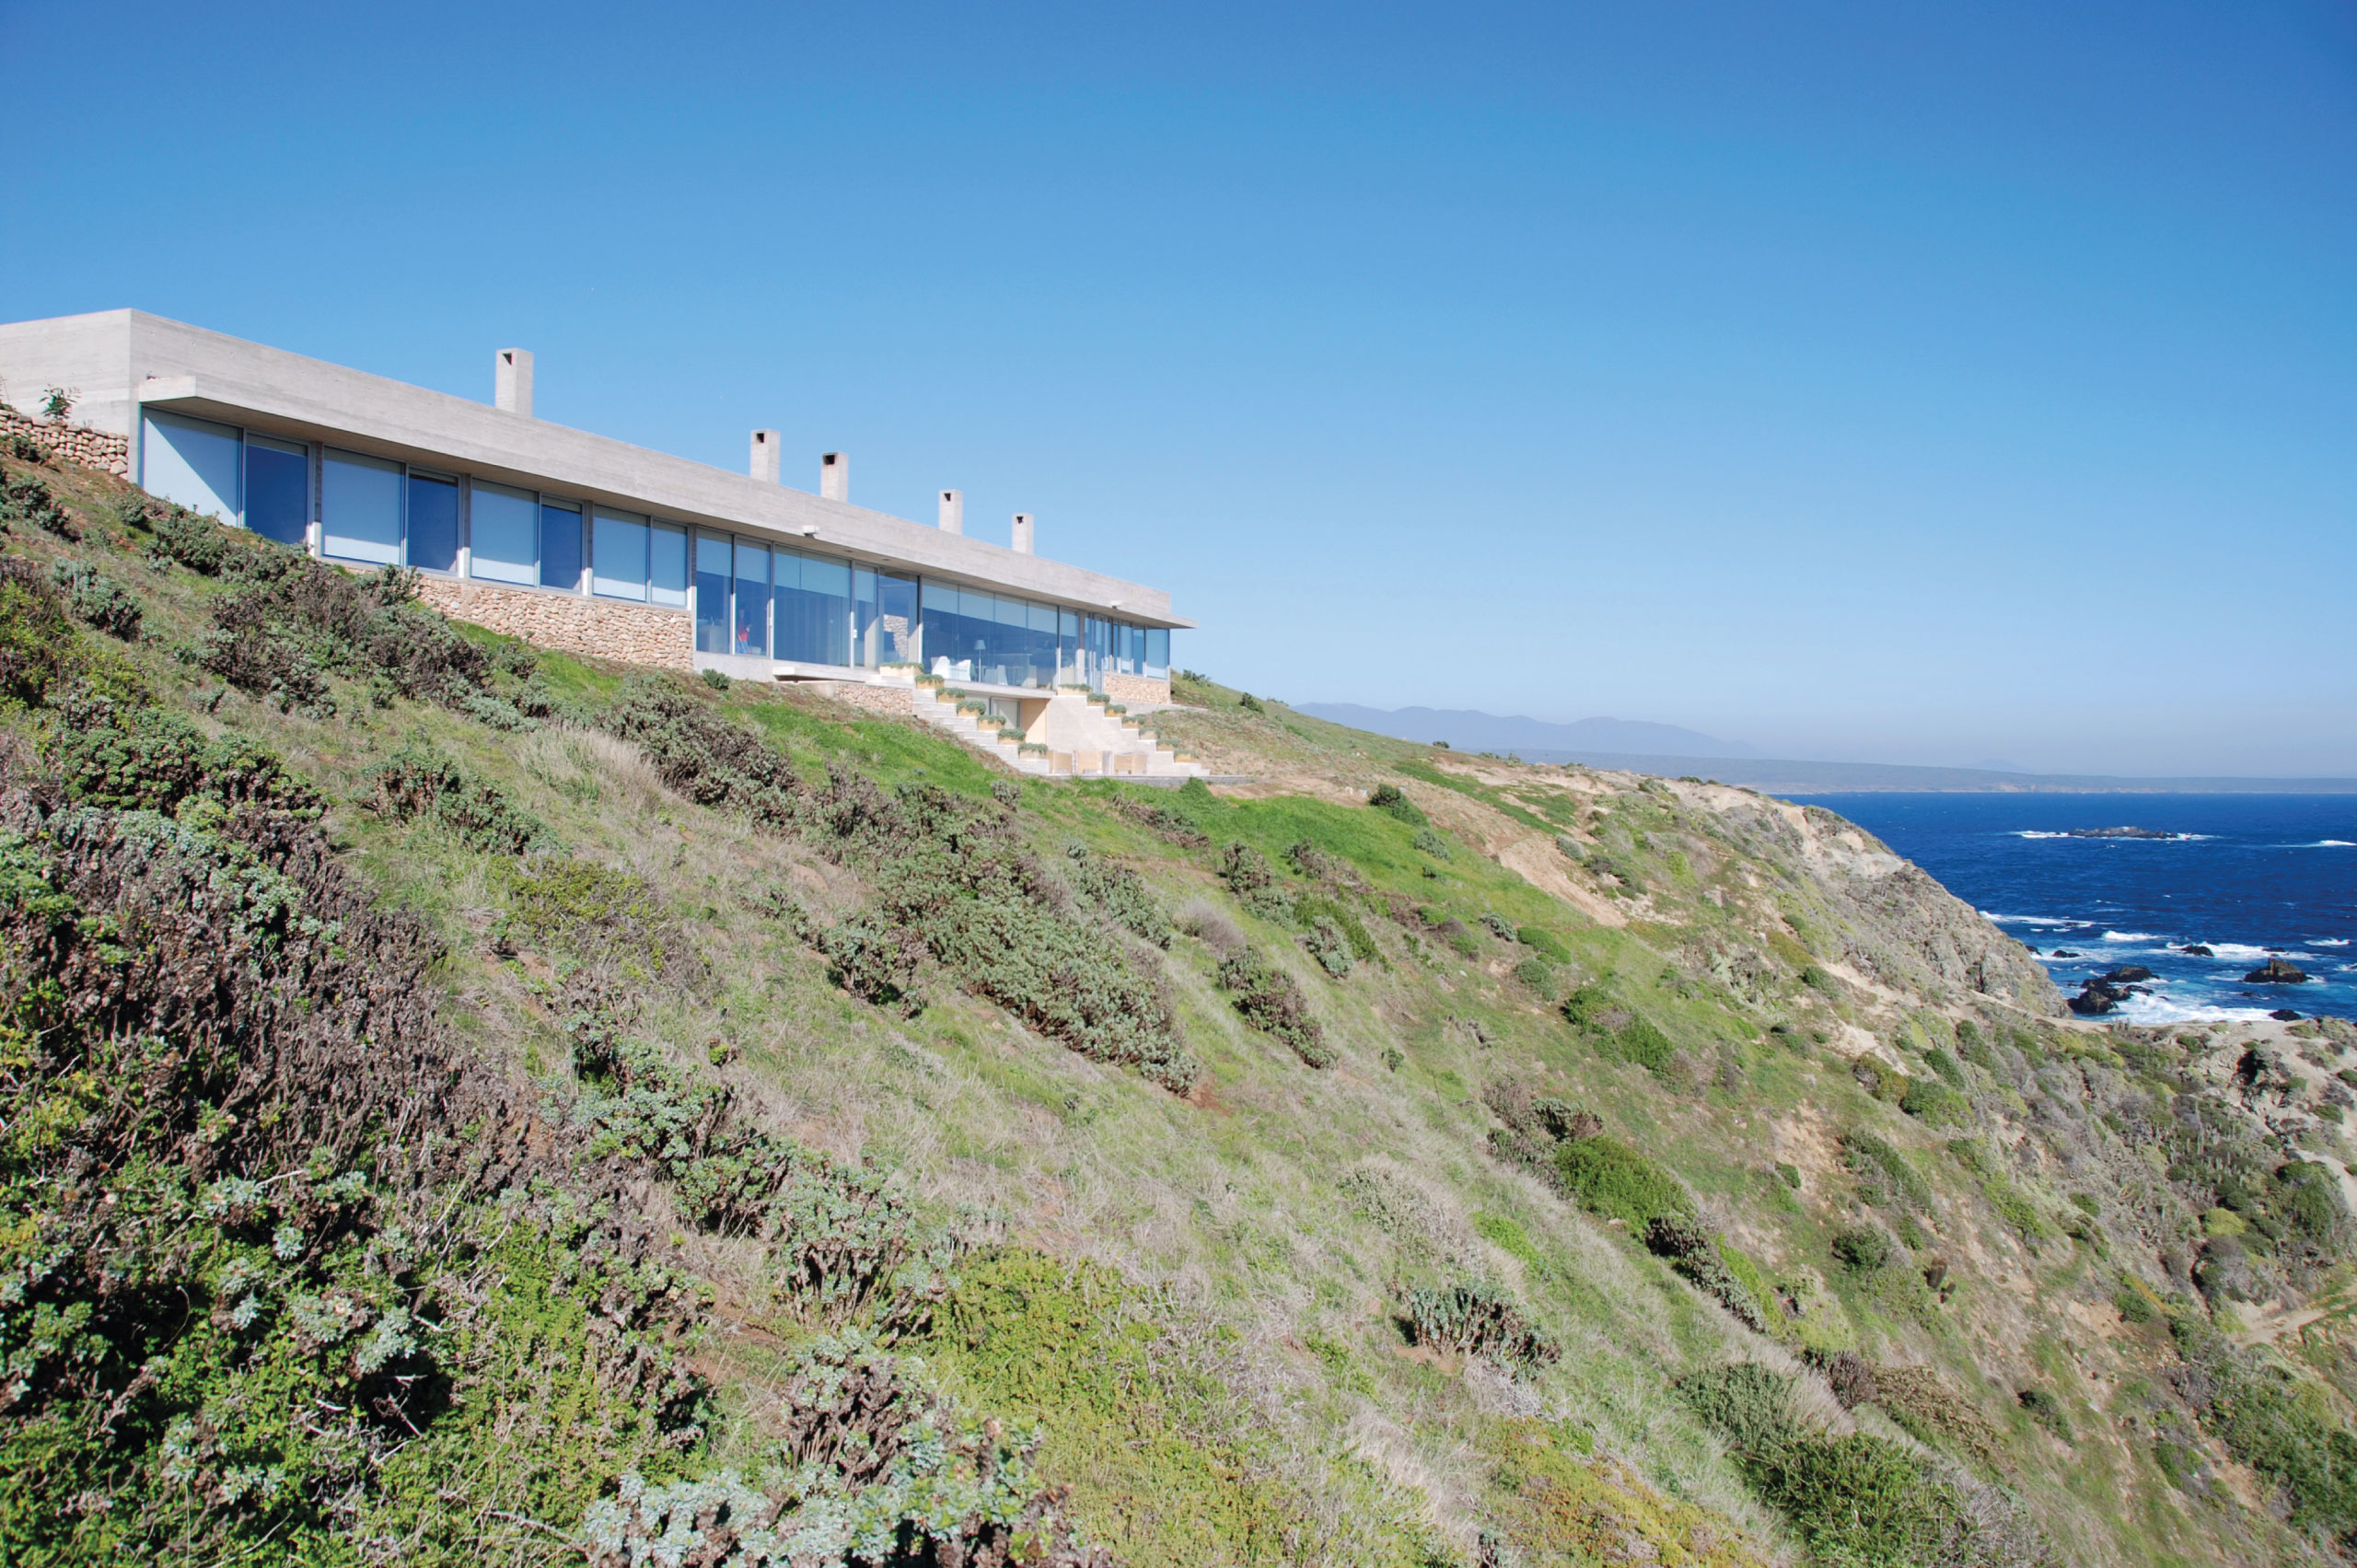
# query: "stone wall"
[891,702]
[1128,688]
[573,623]
[75,443]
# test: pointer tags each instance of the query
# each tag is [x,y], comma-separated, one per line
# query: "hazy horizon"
[1926,385]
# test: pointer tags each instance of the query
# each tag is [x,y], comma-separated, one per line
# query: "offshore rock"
[2121,833]
[2197,950]
[2126,973]
[2275,971]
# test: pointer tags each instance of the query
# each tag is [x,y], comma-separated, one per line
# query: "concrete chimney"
[765,456]
[834,476]
[1022,533]
[953,511]
[512,380]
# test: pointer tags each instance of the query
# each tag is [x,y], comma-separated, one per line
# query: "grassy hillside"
[465,1103]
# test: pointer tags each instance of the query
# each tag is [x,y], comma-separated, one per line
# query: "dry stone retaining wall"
[1127,688]
[891,702]
[73,442]
[572,623]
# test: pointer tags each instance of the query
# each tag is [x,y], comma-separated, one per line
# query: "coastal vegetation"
[462,1103]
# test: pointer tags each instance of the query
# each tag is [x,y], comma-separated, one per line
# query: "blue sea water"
[2257,875]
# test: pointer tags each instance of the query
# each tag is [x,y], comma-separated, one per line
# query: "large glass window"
[667,564]
[278,490]
[618,553]
[712,593]
[503,527]
[1158,653]
[888,619]
[360,508]
[1069,669]
[751,629]
[813,595]
[432,522]
[989,638]
[560,545]
[192,461]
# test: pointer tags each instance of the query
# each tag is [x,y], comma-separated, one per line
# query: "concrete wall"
[119,359]
[601,628]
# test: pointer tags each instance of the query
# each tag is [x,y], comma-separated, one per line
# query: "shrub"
[24,498]
[1536,974]
[1272,1002]
[1118,893]
[2276,1422]
[715,679]
[1545,943]
[876,962]
[98,599]
[200,544]
[700,754]
[1393,801]
[37,643]
[1429,842]
[1477,1319]
[128,757]
[590,911]
[1499,927]
[1950,1071]
[1934,1103]
[1316,907]
[1883,1172]
[1326,944]
[1693,1251]
[1254,882]
[1609,1179]
[1863,1249]
[417,780]
[2047,1410]
[300,621]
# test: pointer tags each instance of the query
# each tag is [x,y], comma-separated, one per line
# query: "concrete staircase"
[1079,738]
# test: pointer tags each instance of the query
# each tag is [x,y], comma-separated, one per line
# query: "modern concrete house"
[591,545]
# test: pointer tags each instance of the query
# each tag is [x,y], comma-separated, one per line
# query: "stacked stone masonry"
[73,442]
[1127,688]
[891,702]
[601,628]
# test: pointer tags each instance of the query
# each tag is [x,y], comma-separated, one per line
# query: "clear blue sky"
[1891,382]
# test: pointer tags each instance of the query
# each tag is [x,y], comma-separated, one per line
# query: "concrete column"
[512,380]
[1022,533]
[953,511]
[766,457]
[834,476]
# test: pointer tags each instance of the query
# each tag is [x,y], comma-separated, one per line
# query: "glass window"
[897,622]
[503,528]
[192,461]
[618,554]
[667,564]
[1068,669]
[433,523]
[360,508]
[1158,653]
[278,490]
[712,593]
[751,627]
[561,546]
[813,608]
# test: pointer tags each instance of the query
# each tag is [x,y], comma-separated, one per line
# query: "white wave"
[2132,936]
[2328,941]
[2239,951]
[2031,920]
[2329,843]
[2151,1010]
[2034,834]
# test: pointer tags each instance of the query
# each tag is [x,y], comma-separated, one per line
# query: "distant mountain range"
[1665,748]
[1468,731]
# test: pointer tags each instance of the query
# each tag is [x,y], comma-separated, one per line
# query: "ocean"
[2248,876]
